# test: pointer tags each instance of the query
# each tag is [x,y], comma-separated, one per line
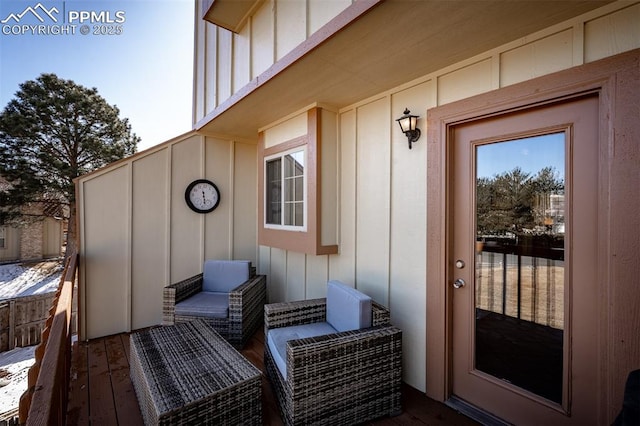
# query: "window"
[3,237]
[285,194]
[297,184]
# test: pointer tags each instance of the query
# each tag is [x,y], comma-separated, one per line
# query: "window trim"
[302,241]
[281,155]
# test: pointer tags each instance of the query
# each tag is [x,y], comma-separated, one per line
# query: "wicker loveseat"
[344,377]
[228,294]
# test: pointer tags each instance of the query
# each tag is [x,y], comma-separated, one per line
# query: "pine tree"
[53,131]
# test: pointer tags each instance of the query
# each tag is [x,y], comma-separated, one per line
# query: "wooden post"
[12,324]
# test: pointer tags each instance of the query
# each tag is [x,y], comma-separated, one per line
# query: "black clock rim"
[190,187]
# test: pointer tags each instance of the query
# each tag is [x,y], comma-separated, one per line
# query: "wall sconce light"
[408,124]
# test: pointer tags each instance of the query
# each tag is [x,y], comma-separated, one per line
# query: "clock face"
[202,196]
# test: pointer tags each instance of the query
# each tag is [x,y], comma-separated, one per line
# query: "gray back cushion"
[347,308]
[224,275]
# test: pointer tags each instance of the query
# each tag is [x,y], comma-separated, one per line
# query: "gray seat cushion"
[277,339]
[347,308]
[205,304]
[224,275]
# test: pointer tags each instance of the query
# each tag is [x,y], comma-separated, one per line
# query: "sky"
[530,154]
[138,54]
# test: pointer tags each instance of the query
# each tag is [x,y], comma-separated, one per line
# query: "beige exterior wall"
[11,249]
[226,62]
[382,184]
[137,234]
[51,237]
[39,240]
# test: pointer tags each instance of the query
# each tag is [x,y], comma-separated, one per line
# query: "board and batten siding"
[137,234]
[381,211]
[226,61]
[382,184]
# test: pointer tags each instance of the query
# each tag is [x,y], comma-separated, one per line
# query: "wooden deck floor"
[102,394]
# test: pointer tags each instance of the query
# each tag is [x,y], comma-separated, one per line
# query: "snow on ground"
[14,367]
[18,280]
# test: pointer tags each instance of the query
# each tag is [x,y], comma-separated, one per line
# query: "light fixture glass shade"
[409,126]
[408,122]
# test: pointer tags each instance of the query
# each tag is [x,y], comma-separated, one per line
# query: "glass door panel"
[519,267]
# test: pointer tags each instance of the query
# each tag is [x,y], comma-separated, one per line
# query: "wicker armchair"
[235,322]
[347,377]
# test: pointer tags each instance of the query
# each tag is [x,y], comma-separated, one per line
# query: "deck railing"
[45,401]
[523,282]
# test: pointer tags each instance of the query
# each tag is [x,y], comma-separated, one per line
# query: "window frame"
[281,155]
[3,237]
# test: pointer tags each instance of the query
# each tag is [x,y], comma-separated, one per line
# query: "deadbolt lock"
[459,283]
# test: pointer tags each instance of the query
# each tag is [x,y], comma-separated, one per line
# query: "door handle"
[459,283]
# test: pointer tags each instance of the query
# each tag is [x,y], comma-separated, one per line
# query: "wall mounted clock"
[202,196]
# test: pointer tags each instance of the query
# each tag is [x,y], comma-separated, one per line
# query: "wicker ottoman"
[188,374]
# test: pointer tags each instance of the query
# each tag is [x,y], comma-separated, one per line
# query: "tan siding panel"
[464,82]
[612,34]
[322,11]
[264,268]
[317,276]
[211,68]
[550,54]
[149,238]
[373,200]
[262,39]
[200,79]
[241,58]
[245,216]
[291,26]
[296,283]
[278,278]
[407,291]
[290,129]
[225,70]
[217,228]
[52,237]
[342,265]
[186,225]
[106,252]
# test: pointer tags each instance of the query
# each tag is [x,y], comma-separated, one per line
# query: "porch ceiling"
[391,42]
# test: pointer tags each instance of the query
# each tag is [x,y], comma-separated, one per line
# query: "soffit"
[388,44]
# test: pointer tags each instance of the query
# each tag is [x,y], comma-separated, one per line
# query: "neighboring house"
[320,85]
[40,237]
[39,240]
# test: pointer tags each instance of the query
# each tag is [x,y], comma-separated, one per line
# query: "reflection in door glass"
[519,283]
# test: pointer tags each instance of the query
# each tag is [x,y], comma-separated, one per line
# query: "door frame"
[616,80]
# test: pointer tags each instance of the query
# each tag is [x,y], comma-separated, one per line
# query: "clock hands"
[206,202]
